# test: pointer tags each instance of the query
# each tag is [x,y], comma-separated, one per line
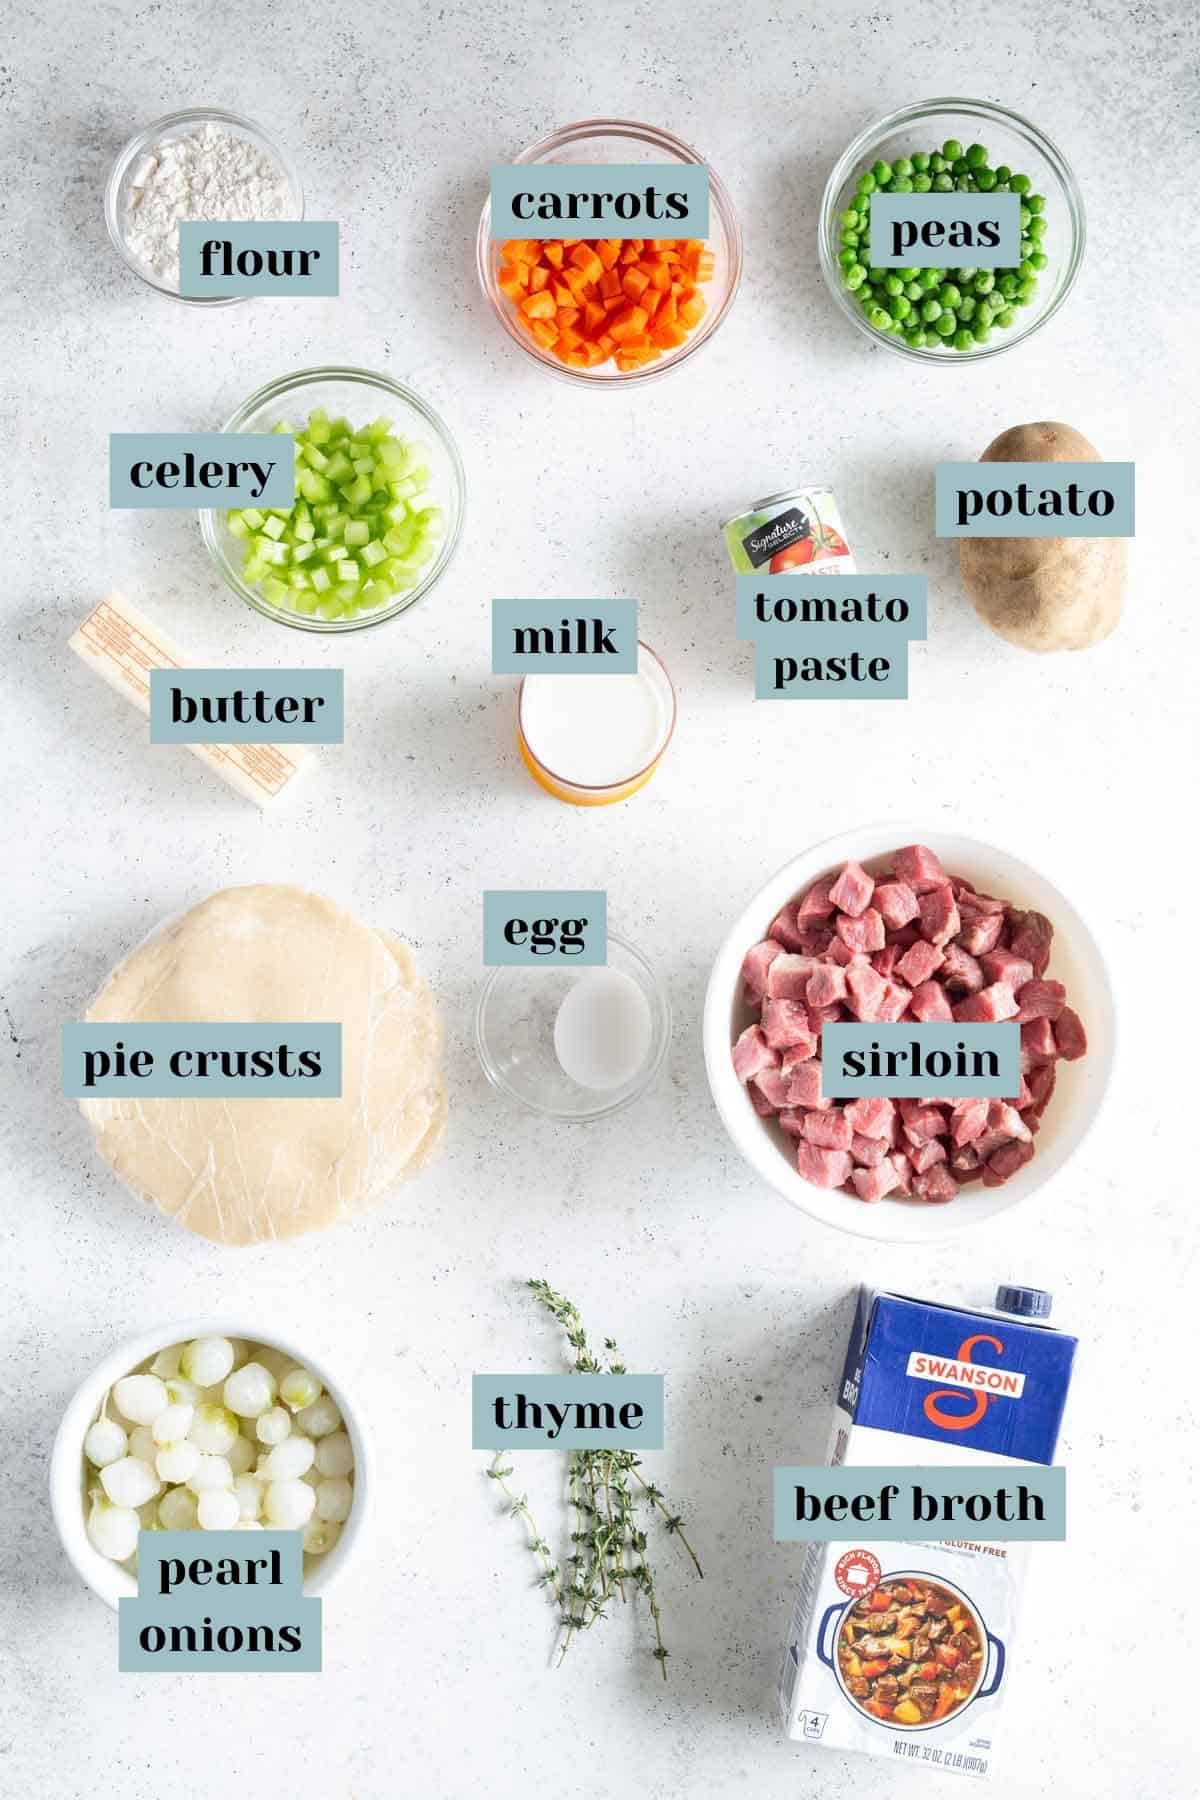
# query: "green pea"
[903,184]
[899,307]
[921,160]
[1003,172]
[1036,203]
[943,184]
[1025,272]
[847,257]
[931,310]
[882,172]
[849,219]
[951,149]
[855,276]
[984,282]
[976,156]
[965,275]
[850,242]
[922,183]
[1026,247]
[949,294]
[966,308]
[963,339]
[916,340]
[1007,283]
[937,164]
[866,183]
[964,184]
[902,166]
[881,320]
[913,290]
[907,274]
[930,278]
[945,326]
[1038,225]
[1039,259]
[981,331]
[1021,184]
[985,180]
[1005,318]
[893,285]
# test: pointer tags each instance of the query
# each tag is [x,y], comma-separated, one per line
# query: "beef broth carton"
[905,1650]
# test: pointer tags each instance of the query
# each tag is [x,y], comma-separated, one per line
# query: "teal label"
[979,1504]
[160,1061]
[1033,499]
[566,1412]
[222,258]
[829,664]
[247,706]
[544,925]
[220,469]
[902,1060]
[595,200]
[564,637]
[938,231]
[219,1602]
[786,607]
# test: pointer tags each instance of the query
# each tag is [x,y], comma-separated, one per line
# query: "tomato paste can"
[799,529]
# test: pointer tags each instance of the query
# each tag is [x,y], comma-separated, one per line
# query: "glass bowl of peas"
[957,312]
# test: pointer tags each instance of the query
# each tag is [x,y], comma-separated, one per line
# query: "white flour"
[210,174]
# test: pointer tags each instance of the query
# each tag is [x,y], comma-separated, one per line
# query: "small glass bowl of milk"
[593,739]
[574,1044]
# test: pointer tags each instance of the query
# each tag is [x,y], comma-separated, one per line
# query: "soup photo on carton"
[904,1649]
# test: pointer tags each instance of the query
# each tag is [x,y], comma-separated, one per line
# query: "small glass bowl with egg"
[208,1427]
[574,1044]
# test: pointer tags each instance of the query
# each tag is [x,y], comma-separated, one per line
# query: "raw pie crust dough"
[244,1171]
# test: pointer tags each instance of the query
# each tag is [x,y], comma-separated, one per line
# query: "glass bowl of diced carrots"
[613,310]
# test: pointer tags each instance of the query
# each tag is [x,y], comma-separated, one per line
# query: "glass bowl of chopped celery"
[378,504]
[952,313]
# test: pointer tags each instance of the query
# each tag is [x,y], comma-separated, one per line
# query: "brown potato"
[1045,593]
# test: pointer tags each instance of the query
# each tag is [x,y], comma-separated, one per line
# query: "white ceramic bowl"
[1075,960]
[67,1494]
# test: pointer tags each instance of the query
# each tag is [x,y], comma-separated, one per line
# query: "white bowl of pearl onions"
[208,1426]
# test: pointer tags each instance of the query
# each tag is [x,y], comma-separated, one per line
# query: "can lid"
[1025,1302]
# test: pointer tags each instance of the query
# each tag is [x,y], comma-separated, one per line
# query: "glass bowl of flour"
[200,164]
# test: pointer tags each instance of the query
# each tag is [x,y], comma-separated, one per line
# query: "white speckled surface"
[435,1678]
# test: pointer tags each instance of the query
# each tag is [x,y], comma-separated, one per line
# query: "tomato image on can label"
[799,529]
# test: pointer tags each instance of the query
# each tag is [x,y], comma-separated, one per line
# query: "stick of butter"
[122,646]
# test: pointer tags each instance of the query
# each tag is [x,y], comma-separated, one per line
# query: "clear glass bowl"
[1009,139]
[177,125]
[360,396]
[622,141]
[514,1035]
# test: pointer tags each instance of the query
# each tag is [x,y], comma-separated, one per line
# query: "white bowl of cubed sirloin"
[1078,1088]
[209,1425]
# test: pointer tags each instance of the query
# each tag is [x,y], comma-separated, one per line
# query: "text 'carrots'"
[588,299]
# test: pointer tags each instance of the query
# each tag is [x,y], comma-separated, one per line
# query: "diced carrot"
[609,283]
[567,315]
[668,336]
[575,359]
[577,281]
[567,337]
[538,306]
[660,275]
[635,283]
[628,323]
[520,250]
[692,311]
[607,343]
[586,260]
[668,310]
[509,282]
[608,250]
[651,300]
[553,254]
[593,315]
[629,254]
[544,332]
[706,266]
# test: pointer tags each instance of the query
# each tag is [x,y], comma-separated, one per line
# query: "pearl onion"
[248,1492]
[240,1455]
[210,1472]
[140,1397]
[113,1530]
[334,1499]
[217,1510]
[213,1429]
[335,1455]
[319,1419]
[299,1388]
[207,1360]
[289,1460]
[273,1426]
[172,1424]
[320,1535]
[177,1462]
[130,1482]
[289,1504]
[177,1510]
[104,1443]
[250,1391]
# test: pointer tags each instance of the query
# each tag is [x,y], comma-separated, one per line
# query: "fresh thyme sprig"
[609,1548]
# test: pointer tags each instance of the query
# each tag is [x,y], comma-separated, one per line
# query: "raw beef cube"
[988,1007]
[758,1099]
[1040,1000]
[922,1122]
[824,1015]
[929,1004]
[1031,937]
[755,964]
[969,1119]
[864,933]
[925,1156]
[824,1168]
[784,929]
[990,1142]
[866,992]
[1038,1043]
[920,868]
[815,903]
[939,915]
[885,960]
[795,1058]
[868,1151]
[826,985]
[773,1087]
[752,1054]
[919,962]
[830,1130]
[873,1184]
[903,1170]
[896,903]
[965,1160]
[1006,1118]
[816,940]
[960,971]
[1041,1085]
[936,1185]
[851,892]
[1002,965]
[986,903]
[785,1022]
[843,955]
[788,976]
[980,931]
[804,1086]
[871,1115]
[906,936]
[1005,1162]
[792,1120]
[895,1003]
[1070,1036]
